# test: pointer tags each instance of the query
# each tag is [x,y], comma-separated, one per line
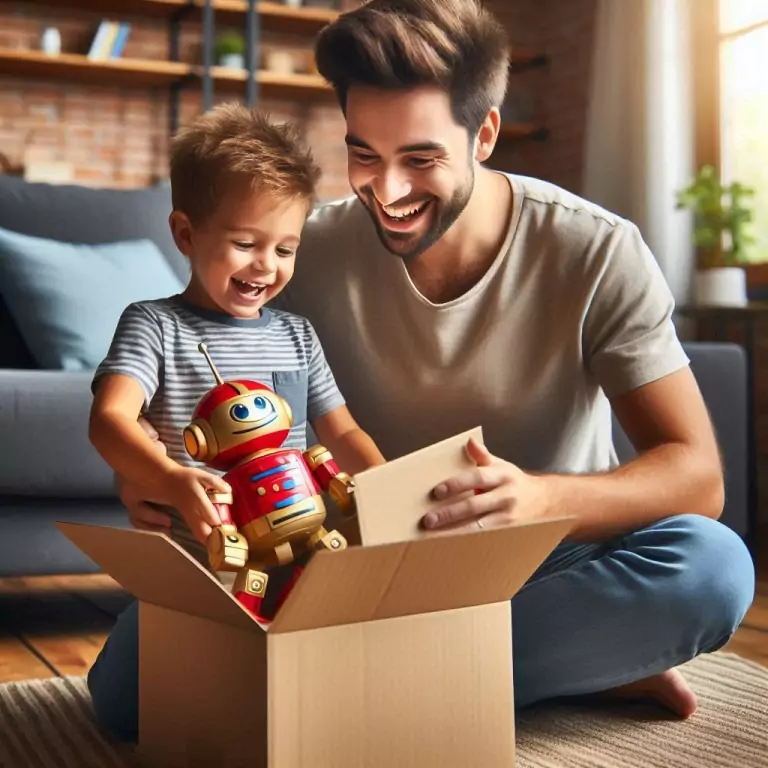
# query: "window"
[743,36]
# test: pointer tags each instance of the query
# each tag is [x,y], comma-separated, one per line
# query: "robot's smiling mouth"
[256,426]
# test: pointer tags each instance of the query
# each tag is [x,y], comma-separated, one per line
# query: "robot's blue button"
[289,485]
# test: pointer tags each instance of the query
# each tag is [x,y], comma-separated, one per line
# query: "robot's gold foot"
[333,541]
[249,589]
[252,581]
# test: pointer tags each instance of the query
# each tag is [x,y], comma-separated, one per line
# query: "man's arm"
[677,471]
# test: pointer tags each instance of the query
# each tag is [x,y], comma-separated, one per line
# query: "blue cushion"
[66,299]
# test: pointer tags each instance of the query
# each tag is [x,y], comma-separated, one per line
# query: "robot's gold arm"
[227,549]
[339,485]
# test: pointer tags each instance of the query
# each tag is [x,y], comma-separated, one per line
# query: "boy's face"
[243,254]
[410,164]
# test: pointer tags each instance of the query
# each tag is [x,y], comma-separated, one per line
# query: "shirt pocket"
[293,386]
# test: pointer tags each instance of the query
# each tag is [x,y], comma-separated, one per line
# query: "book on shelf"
[109,40]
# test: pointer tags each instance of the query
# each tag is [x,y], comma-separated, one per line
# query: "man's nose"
[391,186]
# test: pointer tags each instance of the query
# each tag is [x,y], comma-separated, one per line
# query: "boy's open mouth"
[244,288]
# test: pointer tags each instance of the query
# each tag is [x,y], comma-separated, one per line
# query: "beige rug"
[48,724]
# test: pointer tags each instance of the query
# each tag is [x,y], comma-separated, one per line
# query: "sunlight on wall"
[744,108]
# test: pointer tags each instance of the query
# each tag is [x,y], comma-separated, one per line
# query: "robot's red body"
[275,510]
[276,486]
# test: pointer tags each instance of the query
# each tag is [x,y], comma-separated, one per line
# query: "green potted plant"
[720,221]
[230,50]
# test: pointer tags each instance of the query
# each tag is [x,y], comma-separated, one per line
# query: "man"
[447,295]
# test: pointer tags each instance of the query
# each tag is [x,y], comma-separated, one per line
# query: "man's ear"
[487,135]
[181,229]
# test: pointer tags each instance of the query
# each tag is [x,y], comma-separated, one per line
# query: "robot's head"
[235,419]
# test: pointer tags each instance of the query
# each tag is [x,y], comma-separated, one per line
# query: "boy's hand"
[187,492]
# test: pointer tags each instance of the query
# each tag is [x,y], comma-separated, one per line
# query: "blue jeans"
[592,617]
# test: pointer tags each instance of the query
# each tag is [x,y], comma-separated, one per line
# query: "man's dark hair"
[398,44]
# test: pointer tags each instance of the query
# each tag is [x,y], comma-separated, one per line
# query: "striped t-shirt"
[156,343]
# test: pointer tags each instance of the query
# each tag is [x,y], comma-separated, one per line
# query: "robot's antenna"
[216,374]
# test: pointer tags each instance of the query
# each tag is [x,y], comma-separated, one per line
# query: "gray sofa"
[48,469]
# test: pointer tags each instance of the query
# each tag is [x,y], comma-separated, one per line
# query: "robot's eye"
[240,412]
[260,403]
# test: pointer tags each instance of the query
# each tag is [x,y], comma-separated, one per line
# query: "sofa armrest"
[44,445]
[720,369]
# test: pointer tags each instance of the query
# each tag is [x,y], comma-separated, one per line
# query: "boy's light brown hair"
[398,44]
[233,142]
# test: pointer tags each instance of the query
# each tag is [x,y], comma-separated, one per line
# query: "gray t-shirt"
[574,310]
[156,343]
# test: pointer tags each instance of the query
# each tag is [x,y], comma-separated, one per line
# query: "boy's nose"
[266,262]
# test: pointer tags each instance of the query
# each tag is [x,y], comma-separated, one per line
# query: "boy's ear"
[487,136]
[181,229]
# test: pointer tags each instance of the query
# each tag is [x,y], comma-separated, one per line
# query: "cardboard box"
[394,652]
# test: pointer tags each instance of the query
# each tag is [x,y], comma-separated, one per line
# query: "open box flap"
[393,497]
[156,570]
[436,573]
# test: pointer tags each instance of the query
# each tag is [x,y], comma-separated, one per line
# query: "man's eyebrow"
[422,146]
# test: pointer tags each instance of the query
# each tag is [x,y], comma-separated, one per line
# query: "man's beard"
[444,216]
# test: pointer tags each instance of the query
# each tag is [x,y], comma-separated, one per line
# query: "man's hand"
[496,494]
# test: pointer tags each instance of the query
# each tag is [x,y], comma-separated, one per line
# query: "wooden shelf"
[71,66]
[278,16]
[145,73]
[273,85]
[275,17]
[519,131]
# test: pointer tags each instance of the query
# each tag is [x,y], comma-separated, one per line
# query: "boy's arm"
[351,447]
[117,435]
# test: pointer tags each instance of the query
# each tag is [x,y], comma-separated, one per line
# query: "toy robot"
[275,512]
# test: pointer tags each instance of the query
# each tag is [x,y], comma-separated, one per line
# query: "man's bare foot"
[669,688]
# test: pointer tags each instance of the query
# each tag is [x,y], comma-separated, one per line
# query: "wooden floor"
[56,625]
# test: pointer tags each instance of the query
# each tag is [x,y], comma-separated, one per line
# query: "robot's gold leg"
[333,541]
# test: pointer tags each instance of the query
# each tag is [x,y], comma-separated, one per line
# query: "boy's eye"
[242,245]
[284,251]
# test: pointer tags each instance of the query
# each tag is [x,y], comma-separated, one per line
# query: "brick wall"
[556,95]
[118,136]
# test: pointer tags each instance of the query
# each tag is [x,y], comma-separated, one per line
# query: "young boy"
[242,188]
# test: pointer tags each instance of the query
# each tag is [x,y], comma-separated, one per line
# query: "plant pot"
[232,61]
[721,287]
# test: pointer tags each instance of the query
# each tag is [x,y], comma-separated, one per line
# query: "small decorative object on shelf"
[275,511]
[230,50]
[720,222]
[280,61]
[50,42]
[109,40]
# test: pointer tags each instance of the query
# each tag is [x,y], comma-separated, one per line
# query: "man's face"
[410,164]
